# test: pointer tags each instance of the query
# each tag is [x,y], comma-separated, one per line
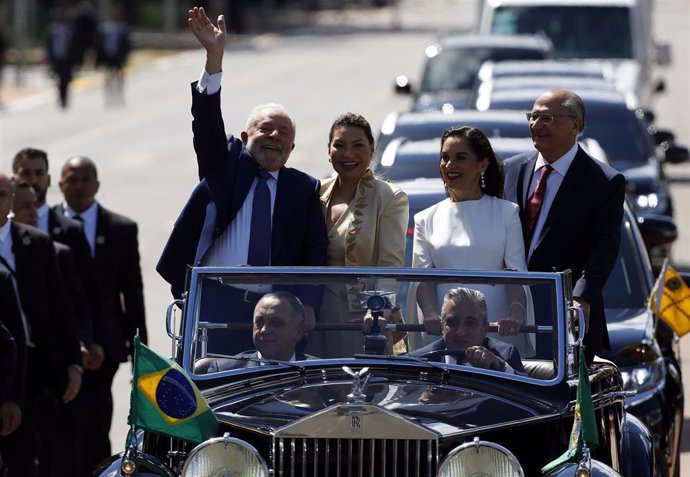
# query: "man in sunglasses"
[571,207]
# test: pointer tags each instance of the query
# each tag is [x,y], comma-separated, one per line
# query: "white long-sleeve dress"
[482,234]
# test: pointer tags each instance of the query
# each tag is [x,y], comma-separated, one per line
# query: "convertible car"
[384,408]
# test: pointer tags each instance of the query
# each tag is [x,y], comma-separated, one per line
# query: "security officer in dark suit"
[25,212]
[30,165]
[54,361]
[114,246]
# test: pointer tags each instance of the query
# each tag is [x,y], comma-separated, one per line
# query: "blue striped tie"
[260,229]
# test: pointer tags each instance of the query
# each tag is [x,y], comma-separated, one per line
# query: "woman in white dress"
[473,229]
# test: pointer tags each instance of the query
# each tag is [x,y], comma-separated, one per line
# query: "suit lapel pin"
[100,240]
[57,230]
[26,240]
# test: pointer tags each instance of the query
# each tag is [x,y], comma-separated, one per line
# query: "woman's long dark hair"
[480,145]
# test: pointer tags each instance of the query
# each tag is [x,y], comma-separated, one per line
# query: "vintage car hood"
[443,409]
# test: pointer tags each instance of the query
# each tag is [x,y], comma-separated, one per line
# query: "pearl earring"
[482,184]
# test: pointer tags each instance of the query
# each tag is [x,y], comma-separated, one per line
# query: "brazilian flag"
[166,401]
[584,429]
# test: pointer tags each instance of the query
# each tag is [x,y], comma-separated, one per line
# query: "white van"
[617,32]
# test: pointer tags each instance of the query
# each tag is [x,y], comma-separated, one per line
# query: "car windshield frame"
[187,345]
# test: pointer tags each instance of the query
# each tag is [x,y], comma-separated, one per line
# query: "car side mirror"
[663,135]
[657,230]
[675,154]
[402,85]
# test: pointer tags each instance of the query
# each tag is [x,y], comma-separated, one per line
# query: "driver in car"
[464,328]
[279,322]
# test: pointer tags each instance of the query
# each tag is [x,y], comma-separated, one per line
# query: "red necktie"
[534,206]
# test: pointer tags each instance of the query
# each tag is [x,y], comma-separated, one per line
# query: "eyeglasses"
[546,118]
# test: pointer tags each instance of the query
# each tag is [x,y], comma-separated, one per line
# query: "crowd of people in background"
[76,38]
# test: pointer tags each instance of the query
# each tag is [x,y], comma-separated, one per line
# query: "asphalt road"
[344,62]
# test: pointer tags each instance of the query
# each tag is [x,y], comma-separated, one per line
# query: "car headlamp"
[479,458]
[224,457]
[643,377]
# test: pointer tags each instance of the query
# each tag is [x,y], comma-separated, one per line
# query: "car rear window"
[575,31]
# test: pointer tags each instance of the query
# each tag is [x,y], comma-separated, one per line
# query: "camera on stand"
[379,303]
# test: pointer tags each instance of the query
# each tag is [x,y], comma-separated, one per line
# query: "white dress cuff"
[209,84]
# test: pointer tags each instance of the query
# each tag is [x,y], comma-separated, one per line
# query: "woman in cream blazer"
[366,220]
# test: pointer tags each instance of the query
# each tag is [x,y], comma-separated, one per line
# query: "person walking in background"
[60,53]
[366,219]
[474,229]
[84,21]
[114,246]
[248,208]
[113,46]
[571,207]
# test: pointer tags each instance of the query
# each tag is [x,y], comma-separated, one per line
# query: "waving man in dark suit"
[571,208]
[248,208]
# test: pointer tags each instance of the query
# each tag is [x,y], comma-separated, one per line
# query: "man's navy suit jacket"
[226,173]
[582,231]
[505,351]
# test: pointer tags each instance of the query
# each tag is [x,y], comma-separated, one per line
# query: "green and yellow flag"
[166,401]
[670,300]
[584,424]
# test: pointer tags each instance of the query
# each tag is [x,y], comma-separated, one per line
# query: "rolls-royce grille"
[300,457]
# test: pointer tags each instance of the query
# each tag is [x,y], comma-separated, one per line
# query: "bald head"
[79,182]
[560,119]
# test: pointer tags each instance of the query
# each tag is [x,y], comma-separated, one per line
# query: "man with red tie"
[571,208]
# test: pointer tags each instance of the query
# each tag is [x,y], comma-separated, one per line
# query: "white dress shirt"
[89,220]
[553,183]
[43,218]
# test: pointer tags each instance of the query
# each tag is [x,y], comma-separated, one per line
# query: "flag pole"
[128,463]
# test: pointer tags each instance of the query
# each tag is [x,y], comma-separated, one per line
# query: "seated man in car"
[278,324]
[464,328]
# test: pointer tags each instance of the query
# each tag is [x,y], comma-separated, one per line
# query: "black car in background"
[452,63]
[400,127]
[644,348]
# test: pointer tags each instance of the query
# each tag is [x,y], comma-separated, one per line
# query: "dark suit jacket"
[8,362]
[226,172]
[581,231]
[75,292]
[120,284]
[505,351]
[70,232]
[247,361]
[11,319]
[43,299]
